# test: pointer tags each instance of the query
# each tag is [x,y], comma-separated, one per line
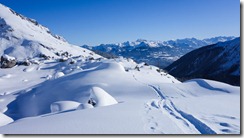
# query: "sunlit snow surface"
[149,101]
[88,94]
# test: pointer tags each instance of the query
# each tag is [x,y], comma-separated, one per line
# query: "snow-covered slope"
[84,93]
[219,62]
[156,53]
[148,101]
[25,38]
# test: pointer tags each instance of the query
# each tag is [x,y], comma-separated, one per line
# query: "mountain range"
[156,53]
[219,62]
[48,86]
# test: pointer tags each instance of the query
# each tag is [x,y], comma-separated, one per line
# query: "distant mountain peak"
[141,40]
[159,53]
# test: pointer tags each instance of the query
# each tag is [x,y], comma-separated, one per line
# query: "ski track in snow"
[171,108]
[180,119]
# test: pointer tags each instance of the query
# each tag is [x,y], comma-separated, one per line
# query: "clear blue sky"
[94,22]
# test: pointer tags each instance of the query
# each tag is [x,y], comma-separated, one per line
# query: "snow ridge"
[25,38]
[59,88]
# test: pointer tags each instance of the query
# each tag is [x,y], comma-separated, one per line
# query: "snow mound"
[8,57]
[101,97]
[6,76]
[59,74]
[214,85]
[112,65]
[29,69]
[63,106]
[5,119]
[84,106]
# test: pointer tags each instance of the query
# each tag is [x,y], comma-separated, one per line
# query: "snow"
[7,57]
[58,75]
[5,119]
[23,39]
[84,106]
[101,97]
[29,69]
[156,53]
[64,106]
[146,102]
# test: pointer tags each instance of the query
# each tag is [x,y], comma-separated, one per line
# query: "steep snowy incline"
[25,38]
[220,62]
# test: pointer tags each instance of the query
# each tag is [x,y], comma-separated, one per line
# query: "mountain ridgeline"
[220,62]
[156,53]
[24,38]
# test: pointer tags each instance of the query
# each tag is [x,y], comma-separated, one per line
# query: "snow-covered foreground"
[48,86]
[115,96]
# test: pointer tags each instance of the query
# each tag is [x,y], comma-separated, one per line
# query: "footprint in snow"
[154,104]
[29,69]
[25,80]
[224,124]
[6,76]
[226,130]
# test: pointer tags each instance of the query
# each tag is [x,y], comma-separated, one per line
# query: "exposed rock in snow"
[7,61]
[25,38]
[29,69]
[48,77]
[150,99]
[7,57]
[71,61]
[101,97]
[34,61]
[25,63]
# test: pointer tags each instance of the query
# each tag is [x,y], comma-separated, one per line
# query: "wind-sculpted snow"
[179,117]
[4,120]
[101,97]
[60,106]
[147,100]
[79,92]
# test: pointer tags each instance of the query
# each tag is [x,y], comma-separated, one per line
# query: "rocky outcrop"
[7,61]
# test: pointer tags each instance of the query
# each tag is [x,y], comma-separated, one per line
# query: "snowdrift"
[70,90]
[101,97]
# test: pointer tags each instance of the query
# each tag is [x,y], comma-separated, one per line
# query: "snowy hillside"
[128,98]
[219,62]
[48,86]
[156,53]
[25,38]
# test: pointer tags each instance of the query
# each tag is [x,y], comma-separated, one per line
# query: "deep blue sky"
[94,22]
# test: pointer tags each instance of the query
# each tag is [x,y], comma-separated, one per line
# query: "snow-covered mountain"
[25,38]
[66,89]
[219,62]
[156,53]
